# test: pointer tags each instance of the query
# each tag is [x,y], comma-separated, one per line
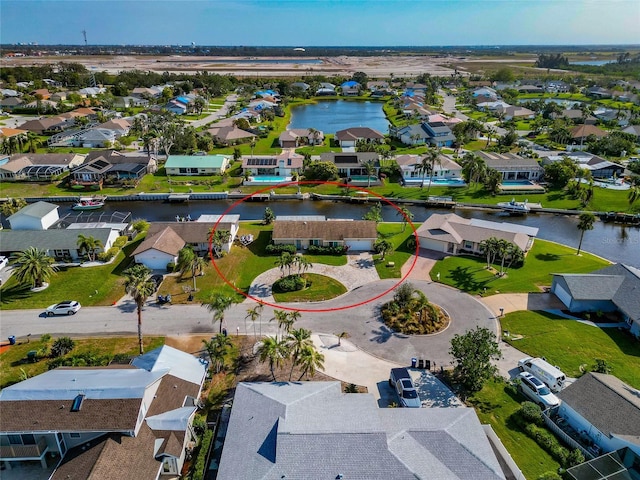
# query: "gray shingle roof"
[312,430]
[331,230]
[609,404]
[36,210]
[592,287]
[20,240]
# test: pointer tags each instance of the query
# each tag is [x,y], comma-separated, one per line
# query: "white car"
[68,307]
[536,390]
[3,262]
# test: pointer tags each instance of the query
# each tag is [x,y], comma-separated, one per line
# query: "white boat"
[90,203]
[515,207]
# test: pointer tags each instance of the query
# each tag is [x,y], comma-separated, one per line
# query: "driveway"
[217,115]
[423,264]
[513,302]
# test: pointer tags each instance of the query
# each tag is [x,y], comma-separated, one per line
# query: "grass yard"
[401,253]
[13,361]
[90,286]
[322,288]
[494,405]
[469,273]
[570,344]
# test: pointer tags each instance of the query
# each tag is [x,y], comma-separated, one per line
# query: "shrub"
[327,250]
[171,267]
[531,413]
[550,476]
[278,249]
[62,346]
[290,283]
[121,241]
[109,254]
[199,466]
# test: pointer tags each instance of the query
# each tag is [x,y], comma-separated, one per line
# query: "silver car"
[68,307]
[536,390]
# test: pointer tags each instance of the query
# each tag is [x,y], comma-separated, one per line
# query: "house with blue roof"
[196,164]
[350,88]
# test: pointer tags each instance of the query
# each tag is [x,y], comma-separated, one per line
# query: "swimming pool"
[437,182]
[514,183]
[269,179]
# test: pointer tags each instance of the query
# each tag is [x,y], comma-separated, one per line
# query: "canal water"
[612,241]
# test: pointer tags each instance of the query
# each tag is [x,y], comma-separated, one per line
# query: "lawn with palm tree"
[321,288]
[469,273]
[401,237]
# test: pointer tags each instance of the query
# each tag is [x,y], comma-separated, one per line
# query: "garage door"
[359,245]
[562,294]
[431,244]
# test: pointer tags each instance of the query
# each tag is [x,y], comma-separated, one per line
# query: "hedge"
[199,467]
[281,248]
[322,250]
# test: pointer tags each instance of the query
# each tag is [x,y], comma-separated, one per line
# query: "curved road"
[363,323]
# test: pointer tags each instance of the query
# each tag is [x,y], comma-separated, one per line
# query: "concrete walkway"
[359,270]
[513,302]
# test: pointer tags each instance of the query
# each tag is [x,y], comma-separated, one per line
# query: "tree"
[489,248]
[218,239]
[474,168]
[139,285]
[189,261]
[634,194]
[473,353]
[407,216]
[89,245]
[218,303]
[33,141]
[269,216]
[383,247]
[61,346]
[297,341]
[274,351]
[11,206]
[492,181]
[585,222]
[217,348]
[323,171]
[374,214]
[140,225]
[310,360]
[560,173]
[254,314]
[282,317]
[33,266]
[285,260]
[369,168]
[198,104]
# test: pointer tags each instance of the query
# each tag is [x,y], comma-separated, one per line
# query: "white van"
[539,367]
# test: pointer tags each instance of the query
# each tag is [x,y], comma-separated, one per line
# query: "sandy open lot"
[379,66]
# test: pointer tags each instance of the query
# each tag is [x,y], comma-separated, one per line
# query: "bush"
[531,413]
[171,267]
[109,254]
[199,466]
[550,476]
[326,250]
[121,241]
[278,249]
[62,346]
[290,283]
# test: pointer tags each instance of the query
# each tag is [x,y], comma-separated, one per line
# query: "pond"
[597,63]
[330,116]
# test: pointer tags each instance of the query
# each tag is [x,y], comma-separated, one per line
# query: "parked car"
[68,307]
[552,376]
[3,262]
[157,280]
[536,390]
[400,380]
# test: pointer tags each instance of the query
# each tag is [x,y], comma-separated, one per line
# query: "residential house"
[230,135]
[45,125]
[350,88]
[492,106]
[11,132]
[10,103]
[105,422]
[411,108]
[34,216]
[613,288]
[142,92]
[43,93]
[516,113]
[301,85]
[446,168]
[196,164]
[38,166]
[9,92]
[527,88]
[130,101]
[95,138]
[281,167]
[119,126]
[300,136]
[597,166]
[440,134]
[326,89]
[580,133]
[557,86]
[351,165]
[633,130]
[598,92]
[90,92]
[58,243]
[108,165]
[377,85]
[448,121]
[41,105]
[176,107]
[60,96]
[159,249]
[512,166]
[605,410]
[350,136]
[485,92]
[619,117]
[453,234]
[358,235]
[416,87]
[312,430]
[577,116]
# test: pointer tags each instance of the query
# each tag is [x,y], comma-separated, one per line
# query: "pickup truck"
[400,380]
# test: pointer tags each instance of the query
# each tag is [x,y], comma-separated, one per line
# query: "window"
[74,435]
[315,242]
[15,439]
[468,244]
[182,170]
[28,439]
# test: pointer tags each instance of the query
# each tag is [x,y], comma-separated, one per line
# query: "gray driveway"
[363,323]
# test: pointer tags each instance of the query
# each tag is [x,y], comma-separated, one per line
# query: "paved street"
[222,113]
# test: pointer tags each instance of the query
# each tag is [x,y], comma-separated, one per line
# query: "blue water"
[517,182]
[330,116]
[451,182]
[268,179]
[597,63]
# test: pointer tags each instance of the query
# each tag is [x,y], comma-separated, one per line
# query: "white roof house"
[35,216]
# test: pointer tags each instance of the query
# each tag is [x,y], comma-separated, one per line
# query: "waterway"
[612,241]
[597,63]
[330,116]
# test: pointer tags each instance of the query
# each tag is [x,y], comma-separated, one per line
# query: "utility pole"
[84,34]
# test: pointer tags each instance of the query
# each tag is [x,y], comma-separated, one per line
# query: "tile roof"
[190,232]
[229,133]
[505,161]
[586,130]
[609,404]
[357,133]
[329,230]
[166,241]
[47,158]
[313,430]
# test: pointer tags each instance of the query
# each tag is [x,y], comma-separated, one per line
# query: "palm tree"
[634,194]
[315,136]
[217,348]
[139,285]
[310,360]
[489,247]
[254,314]
[369,168]
[285,260]
[302,263]
[473,167]
[89,245]
[33,266]
[585,222]
[490,131]
[189,261]
[382,246]
[433,157]
[296,341]
[407,216]
[11,206]
[218,239]
[218,303]
[33,141]
[274,351]
[424,167]
[282,318]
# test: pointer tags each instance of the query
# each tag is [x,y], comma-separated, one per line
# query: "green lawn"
[494,405]
[13,361]
[569,344]
[400,239]
[90,286]
[322,288]
[469,273]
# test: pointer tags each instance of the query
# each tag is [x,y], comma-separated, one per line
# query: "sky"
[321,22]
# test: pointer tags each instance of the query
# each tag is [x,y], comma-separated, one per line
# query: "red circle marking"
[311,182]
